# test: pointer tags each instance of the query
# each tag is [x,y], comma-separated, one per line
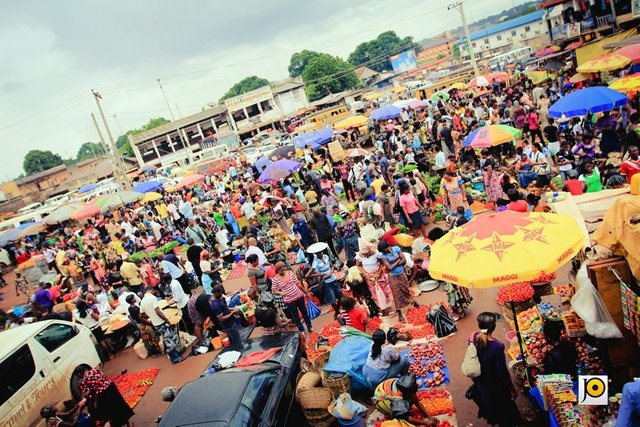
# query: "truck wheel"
[75,382]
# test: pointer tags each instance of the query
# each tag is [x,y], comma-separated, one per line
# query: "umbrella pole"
[522,354]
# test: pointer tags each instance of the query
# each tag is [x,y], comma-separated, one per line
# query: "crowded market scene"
[463,252]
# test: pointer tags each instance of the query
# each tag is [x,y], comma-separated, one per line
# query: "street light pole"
[460,7]
[120,170]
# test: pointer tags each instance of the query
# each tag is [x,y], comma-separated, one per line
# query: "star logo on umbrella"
[464,247]
[544,220]
[530,235]
[497,246]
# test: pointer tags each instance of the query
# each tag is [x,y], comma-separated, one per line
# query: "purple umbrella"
[416,104]
[384,113]
[279,169]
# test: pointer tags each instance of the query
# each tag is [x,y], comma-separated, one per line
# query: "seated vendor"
[403,388]
[383,361]
[563,357]
[267,316]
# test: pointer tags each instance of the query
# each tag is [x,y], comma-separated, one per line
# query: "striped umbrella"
[492,135]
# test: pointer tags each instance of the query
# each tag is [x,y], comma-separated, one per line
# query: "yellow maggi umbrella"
[604,63]
[506,247]
[351,122]
[580,77]
[537,76]
[458,85]
[399,89]
[626,84]
[151,197]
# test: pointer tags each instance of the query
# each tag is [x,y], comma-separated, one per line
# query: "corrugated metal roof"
[507,25]
[180,123]
[40,175]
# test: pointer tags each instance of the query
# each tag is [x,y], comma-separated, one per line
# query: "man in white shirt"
[247,208]
[155,228]
[252,248]
[181,300]
[122,299]
[150,306]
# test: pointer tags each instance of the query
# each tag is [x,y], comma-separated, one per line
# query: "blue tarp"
[349,357]
[87,188]
[314,139]
[387,112]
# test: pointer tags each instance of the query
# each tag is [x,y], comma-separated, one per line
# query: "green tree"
[122,143]
[245,85]
[455,52]
[37,161]
[375,53]
[89,150]
[300,60]
[327,74]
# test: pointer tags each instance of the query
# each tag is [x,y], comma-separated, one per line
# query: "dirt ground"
[151,406]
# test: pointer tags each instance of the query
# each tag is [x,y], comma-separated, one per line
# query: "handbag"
[312,310]
[470,393]
[471,364]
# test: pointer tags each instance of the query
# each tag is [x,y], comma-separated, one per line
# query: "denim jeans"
[376,376]
[174,355]
[351,246]
[296,307]
[332,292]
[234,336]
[571,173]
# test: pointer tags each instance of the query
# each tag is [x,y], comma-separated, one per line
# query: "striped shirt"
[288,285]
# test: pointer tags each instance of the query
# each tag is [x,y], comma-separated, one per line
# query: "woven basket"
[319,417]
[519,306]
[337,385]
[323,357]
[315,398]
[307,381]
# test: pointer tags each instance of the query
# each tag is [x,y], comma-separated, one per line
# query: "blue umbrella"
[147,186]
[279,169]
[88,188]
[303,140]
[322,136]
[589,100]
[14,234]
[261,163]
[387,112]
[147,169]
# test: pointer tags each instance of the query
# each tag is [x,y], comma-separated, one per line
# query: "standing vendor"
[563,357]
[405,388]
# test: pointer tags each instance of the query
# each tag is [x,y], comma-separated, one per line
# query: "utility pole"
[186,144]
[120,170]
[460,7]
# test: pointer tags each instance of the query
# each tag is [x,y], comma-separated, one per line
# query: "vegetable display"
[427,363]
[164,249]
[518,292]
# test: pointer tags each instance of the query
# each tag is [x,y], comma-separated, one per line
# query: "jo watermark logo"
[593,390]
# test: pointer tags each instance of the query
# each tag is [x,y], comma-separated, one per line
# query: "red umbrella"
[547,50]
[87,210]
[631,51]
[189,180]
[573,45]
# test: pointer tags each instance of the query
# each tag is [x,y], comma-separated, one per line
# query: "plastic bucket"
[357,421]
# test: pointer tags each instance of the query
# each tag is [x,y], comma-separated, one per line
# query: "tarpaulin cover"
[257,357]
[349,357]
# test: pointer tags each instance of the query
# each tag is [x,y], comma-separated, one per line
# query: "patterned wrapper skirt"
[379,288]
[402,295]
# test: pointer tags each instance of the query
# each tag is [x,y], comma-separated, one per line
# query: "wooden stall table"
[116,323]
[173,313]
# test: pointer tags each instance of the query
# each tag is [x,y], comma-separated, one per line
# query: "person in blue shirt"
[394,260]
[225,318]
[301,229]
[629,412]
[322,268]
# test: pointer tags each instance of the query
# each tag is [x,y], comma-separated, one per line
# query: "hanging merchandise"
[629,308]
[588,304]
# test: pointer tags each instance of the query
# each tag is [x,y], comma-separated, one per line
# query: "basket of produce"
[338,383]
[319,417]
[521,294]
[321,357]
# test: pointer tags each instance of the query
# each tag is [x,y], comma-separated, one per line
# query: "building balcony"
[576,29]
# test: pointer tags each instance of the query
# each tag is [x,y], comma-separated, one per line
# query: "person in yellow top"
[60,258]
[403,388]
[377,184]
[131,273]
[312,198]
[116,244]
[162,210]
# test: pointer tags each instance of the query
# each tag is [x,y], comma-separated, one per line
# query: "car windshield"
[254,401]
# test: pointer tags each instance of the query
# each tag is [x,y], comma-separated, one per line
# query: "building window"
[486,41]
[473,44]
[527,28]
[499,37]
[513,33]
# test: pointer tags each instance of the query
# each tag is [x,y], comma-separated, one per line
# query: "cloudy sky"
[54,53]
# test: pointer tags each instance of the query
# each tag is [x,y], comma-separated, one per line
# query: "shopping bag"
[312,310]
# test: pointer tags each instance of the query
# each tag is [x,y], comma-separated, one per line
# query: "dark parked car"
[260,395]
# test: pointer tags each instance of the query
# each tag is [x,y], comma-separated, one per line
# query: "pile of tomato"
[418,315]
[518,292]
[422,331]
[133,385]
[427,360]
[374,323]
[436,402]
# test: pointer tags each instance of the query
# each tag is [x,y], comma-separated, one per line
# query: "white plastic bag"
[588,304]
[345,408]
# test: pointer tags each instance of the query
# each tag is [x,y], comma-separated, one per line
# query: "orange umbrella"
[487,80]
[631,51]
[573,45]
[189,180]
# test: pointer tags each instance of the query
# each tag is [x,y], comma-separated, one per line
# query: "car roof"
[211,400]
[289,343]
[12,338]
